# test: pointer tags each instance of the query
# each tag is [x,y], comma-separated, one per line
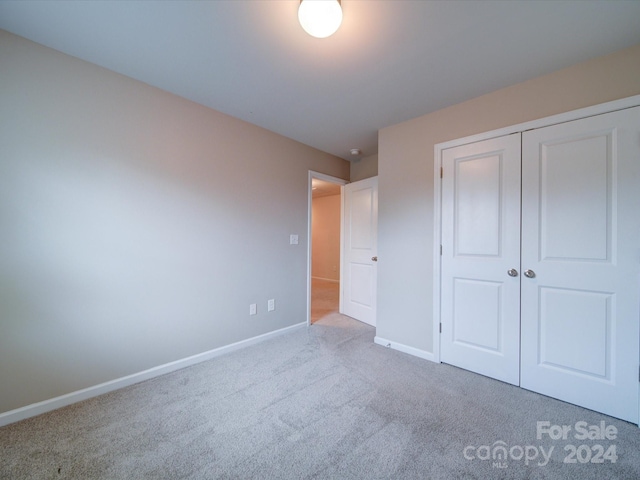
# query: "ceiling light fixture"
[320,18]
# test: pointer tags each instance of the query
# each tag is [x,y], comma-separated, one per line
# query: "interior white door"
[480,299]
[581,240]
[360,250]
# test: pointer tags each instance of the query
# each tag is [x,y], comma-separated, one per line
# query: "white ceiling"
[391,60]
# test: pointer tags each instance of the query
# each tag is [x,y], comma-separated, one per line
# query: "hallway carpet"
[325,298]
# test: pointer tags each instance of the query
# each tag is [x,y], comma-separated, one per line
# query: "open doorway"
[325,245]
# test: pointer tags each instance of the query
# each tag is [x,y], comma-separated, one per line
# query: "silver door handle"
[529,273]
[512,272]
[375,259]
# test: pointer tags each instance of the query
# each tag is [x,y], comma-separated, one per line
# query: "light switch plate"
[293,239]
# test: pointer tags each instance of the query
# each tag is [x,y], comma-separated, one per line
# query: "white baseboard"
[416,352]
[62,401]
[326,279]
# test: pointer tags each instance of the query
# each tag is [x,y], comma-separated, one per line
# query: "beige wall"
[366,167]
[137,227]
[326,237]
[405,270]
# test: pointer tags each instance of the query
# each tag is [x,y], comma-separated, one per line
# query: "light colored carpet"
[325,298]
[323,402]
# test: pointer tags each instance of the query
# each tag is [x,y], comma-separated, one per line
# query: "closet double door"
[540,265]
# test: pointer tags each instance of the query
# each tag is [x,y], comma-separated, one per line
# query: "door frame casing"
[342,182]
[607,107]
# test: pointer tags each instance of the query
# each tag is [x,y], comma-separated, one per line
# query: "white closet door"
[480,310]
[581,240]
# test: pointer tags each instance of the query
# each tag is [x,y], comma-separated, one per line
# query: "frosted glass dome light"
[320,18]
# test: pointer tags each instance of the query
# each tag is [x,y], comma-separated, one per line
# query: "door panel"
[581,235]
[564,312]
[471,297]
[477,206]
[587,196]
[480,243]
[360,248]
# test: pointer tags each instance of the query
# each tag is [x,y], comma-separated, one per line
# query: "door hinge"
[440,249]
[441,172]
[440,327]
